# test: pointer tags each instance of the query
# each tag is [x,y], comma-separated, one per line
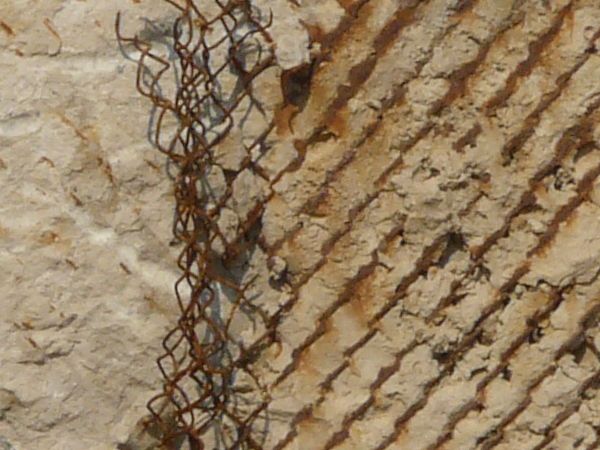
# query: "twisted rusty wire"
[202,356]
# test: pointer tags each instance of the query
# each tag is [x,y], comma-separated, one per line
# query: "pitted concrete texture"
[433,217]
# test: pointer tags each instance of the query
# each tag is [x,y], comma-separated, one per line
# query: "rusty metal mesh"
[215,54]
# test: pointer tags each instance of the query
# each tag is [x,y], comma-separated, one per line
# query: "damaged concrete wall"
[431,222]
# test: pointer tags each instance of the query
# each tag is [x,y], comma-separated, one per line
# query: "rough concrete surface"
[431,219]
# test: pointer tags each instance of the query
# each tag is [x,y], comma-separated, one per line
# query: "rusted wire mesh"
[215,51]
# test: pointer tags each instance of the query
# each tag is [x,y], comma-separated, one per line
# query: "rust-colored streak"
[358,298]
[402,19]
[46,160]
[69,123]
[468,139]
[6,28]
[304,414]
[330,40]
[153,165]
[52,30]
[352,6]
[76,199]
[106,169]
[71,264]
